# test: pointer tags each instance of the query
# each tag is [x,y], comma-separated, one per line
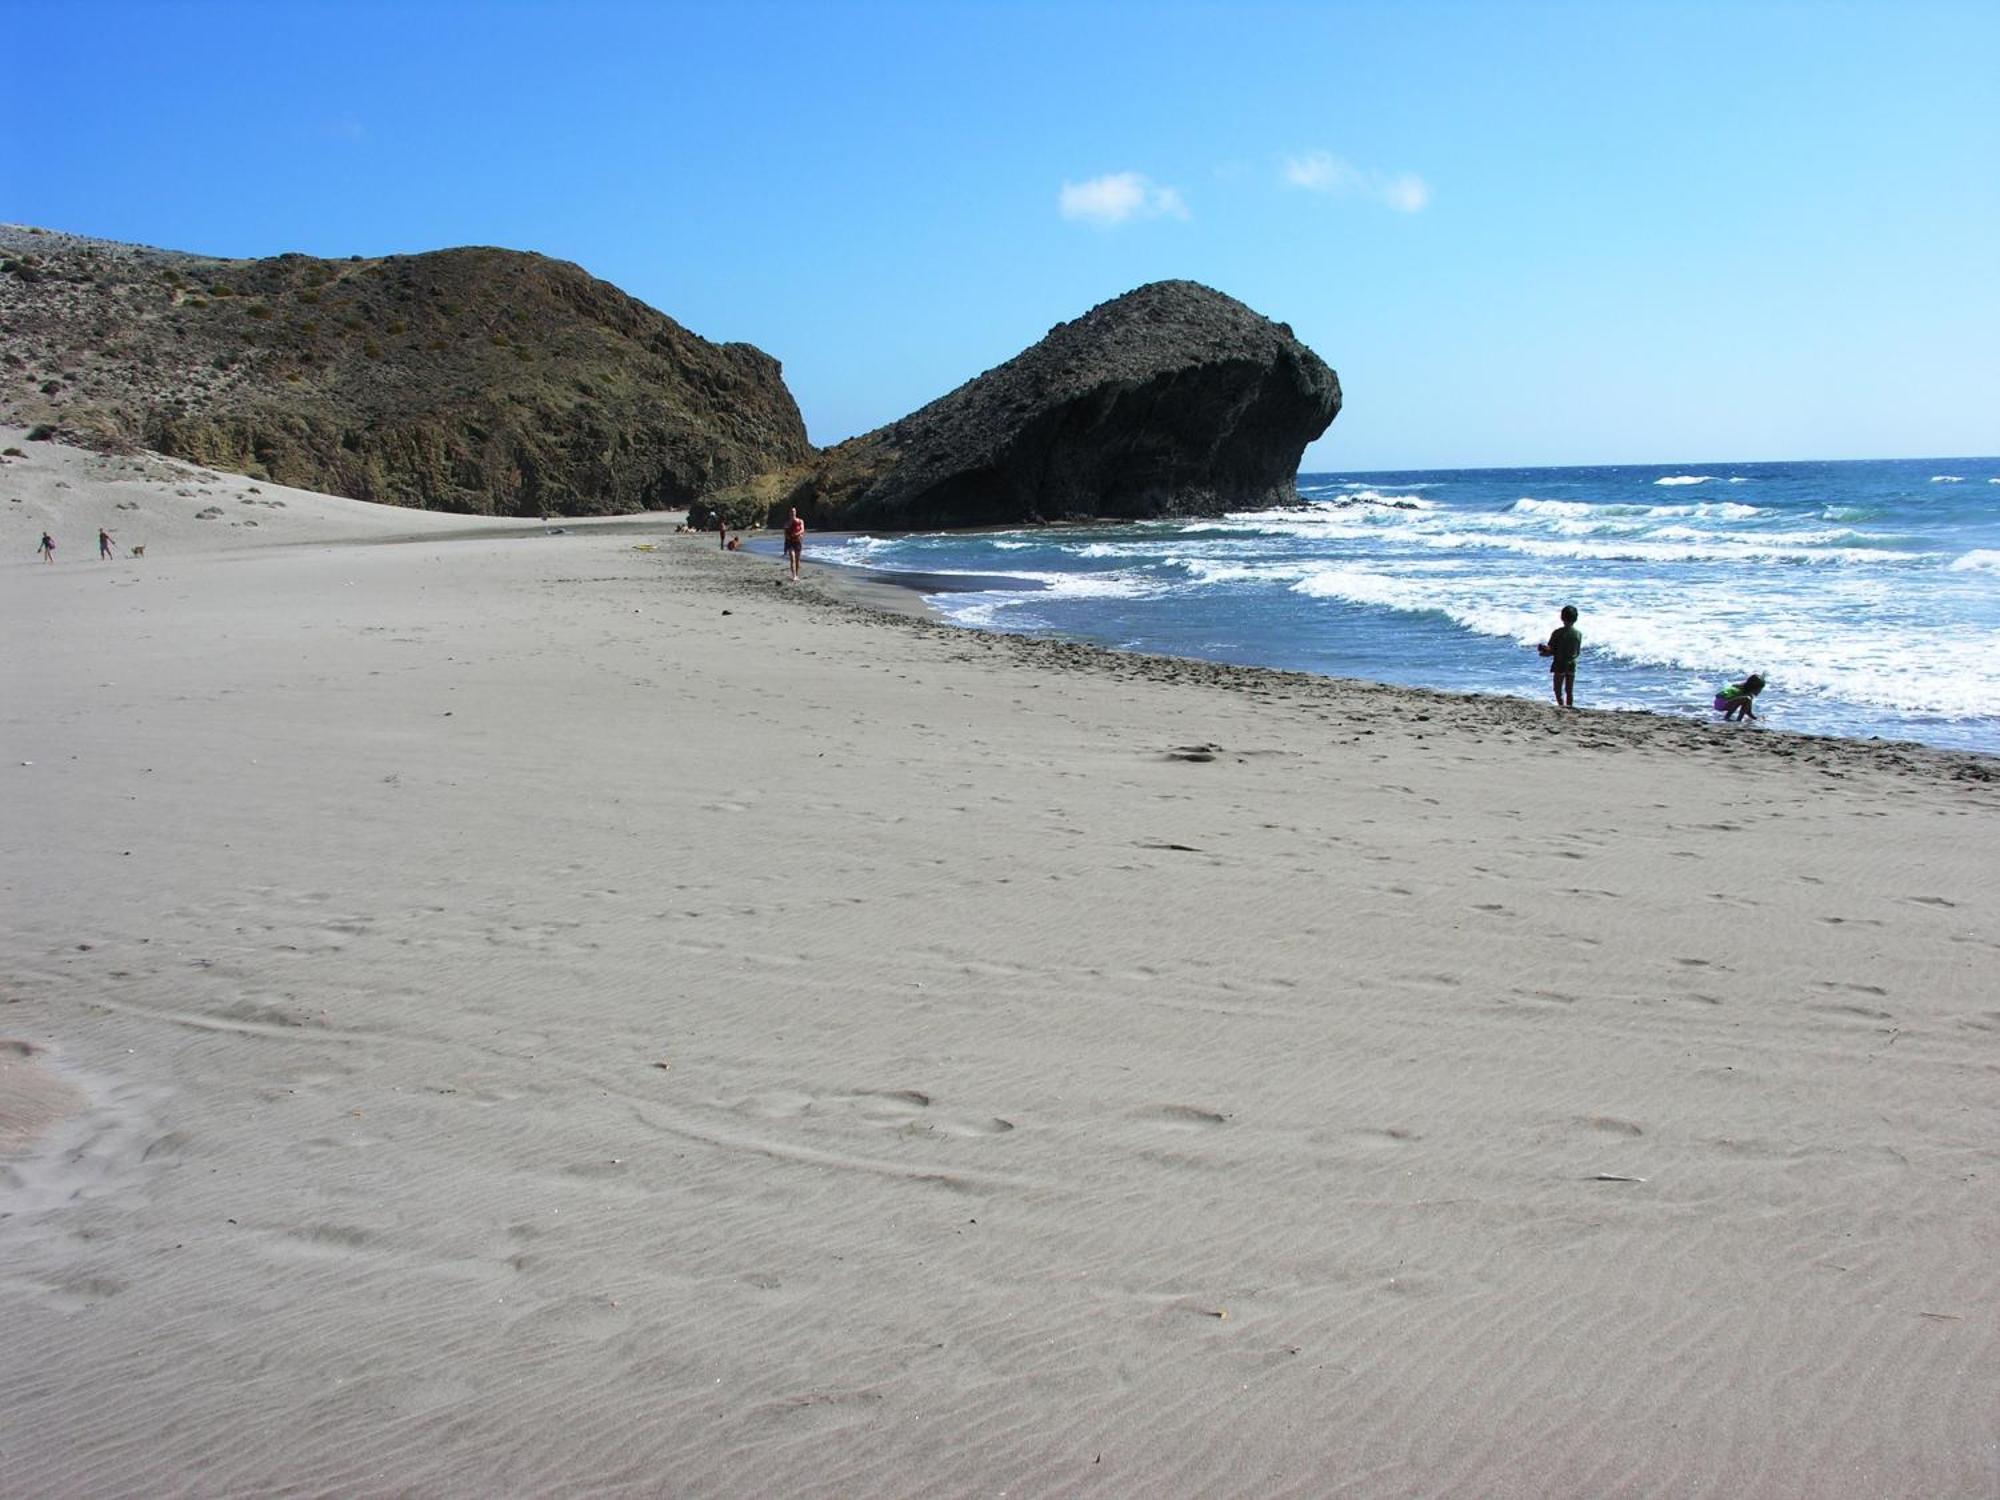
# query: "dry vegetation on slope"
[472,380]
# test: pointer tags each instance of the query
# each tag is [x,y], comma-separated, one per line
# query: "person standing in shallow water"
[795,542]
[1562,647]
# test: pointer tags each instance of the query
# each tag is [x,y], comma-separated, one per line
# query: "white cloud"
[1323,172]
[1118,197]
[1407,192]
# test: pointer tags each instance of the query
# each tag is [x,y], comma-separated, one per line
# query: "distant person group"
[1735,702]
[795,540]
[105,548]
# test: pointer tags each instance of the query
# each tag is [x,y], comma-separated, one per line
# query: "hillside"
[478,380]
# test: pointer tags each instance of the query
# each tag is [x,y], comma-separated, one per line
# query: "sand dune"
[546,1016]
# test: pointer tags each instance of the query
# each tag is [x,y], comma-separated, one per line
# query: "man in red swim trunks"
[795,542]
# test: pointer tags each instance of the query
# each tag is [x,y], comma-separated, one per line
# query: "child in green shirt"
[1733,702]
[1562,648]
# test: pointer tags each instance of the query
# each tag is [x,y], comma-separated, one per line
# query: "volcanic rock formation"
[473,380]
[1170,400]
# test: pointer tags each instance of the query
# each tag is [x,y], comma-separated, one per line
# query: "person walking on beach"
[47,551]
[1734,701]
[1561,648]
[795,543]
[721,532]
[103,544]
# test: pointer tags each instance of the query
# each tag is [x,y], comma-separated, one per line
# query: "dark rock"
[1170,400]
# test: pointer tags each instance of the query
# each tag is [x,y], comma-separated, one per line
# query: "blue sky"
[1578,233]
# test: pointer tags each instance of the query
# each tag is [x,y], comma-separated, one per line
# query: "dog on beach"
[138,551]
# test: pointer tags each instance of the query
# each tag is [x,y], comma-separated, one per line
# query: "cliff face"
[472,380]
[1170,400]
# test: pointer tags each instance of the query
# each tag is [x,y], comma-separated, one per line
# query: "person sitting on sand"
[47,550]
[103,543]
[795,542]
[1565,642]
[1734,701]
[731,544]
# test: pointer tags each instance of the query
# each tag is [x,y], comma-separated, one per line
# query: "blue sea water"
[1866,593]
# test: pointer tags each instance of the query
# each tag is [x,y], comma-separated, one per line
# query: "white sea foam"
[1479,608]
[1095,585]
[1333,525]
[1721,510]
[1528,505]
[1685,479]
[1947,479]
[984,611]
[1978,561]
[1394,502]
[1202,571]
[1720,549]
[853,551]
[1711,633]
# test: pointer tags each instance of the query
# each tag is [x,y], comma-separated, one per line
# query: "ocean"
[1866,593]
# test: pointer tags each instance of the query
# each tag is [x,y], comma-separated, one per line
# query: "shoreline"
[847,587]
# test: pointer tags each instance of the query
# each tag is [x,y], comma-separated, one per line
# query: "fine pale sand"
[514,1013]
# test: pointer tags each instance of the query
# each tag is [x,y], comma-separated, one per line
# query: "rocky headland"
[1170,400]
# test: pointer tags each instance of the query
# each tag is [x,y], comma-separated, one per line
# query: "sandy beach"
[485,1010]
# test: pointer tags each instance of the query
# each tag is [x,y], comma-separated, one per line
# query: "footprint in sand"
[1544,997]
[1182,1116]
[575,1319]
[909,1112]
[77,1292]
[1388,1138]
[315,1240]
[1859,1012]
